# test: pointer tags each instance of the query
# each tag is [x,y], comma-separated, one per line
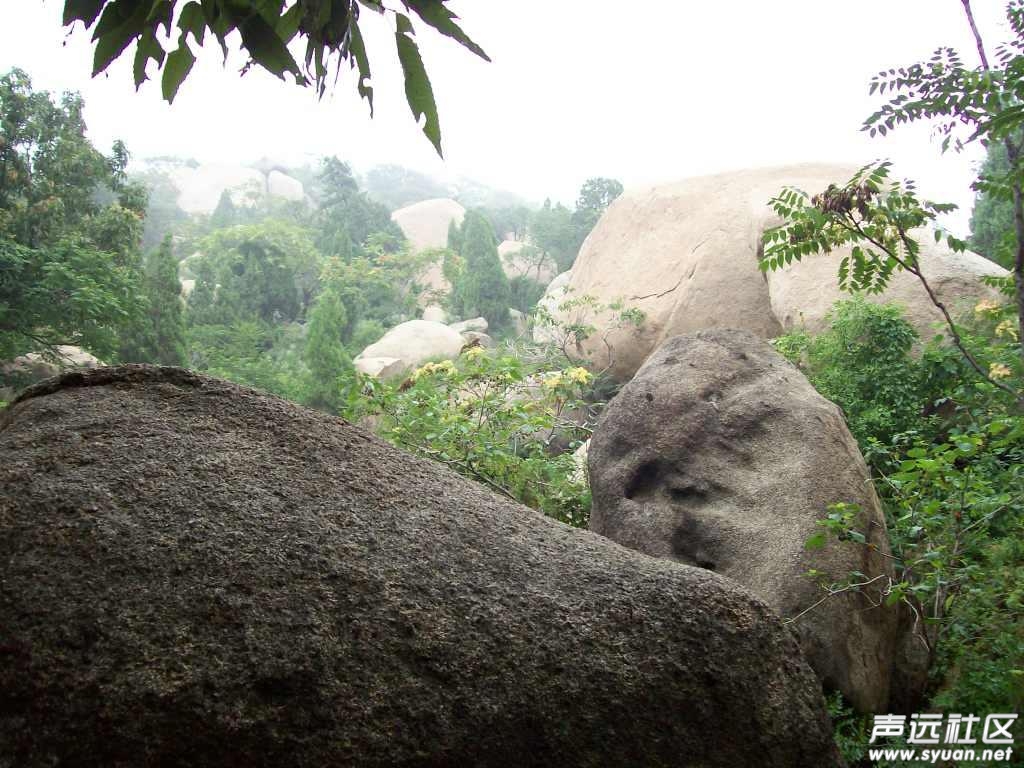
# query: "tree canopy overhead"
[330,29]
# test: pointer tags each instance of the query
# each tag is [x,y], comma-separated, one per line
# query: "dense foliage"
[69,227]
[492,417]
[947,453]
[480,286]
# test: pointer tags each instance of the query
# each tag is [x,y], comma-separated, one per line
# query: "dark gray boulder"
[198,574]
[720,454]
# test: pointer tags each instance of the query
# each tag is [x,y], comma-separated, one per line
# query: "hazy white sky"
[643,92]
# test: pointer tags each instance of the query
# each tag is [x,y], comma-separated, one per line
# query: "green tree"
[992,227]
[330,29]
[70,224]
[163,294]
[156,332]
[347,218]
[225,214]
[454,241]
[483,288]
[335,182]
[552,230]
[267,271]
[330,367]
[595,196]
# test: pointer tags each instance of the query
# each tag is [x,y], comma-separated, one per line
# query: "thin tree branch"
[977,35]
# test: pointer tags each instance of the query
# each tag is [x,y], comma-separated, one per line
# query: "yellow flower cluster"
[444,368]
[1007,328]
[474,353]
[998,371]
[570,375]
[552,381]
[986,307]
[578,375]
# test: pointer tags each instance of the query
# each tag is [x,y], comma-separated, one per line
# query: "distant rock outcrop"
[195,573]
[686,254]
[284,187]
[519,259]
[200,186]
[36,366]
[425,225]
[435,314]
[472,324]
[412,343]
[721,455]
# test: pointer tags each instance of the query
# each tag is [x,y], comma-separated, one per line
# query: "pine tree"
[225,214]
[330,367]
[484,288]
[163,289]
[454,237]
[156,333]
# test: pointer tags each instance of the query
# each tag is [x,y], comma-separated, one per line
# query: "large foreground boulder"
[720,454]
[686,254]
[198,574]
[414,342]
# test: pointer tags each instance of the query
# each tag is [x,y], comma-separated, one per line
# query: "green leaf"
[362,62]
[85,11]
[434,13]
[265,47]
[418,92]
[817,541]
[288,24]
[192,20]
[148,48]
[179,64]
[120,23]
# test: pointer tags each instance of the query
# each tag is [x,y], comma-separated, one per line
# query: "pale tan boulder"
[412,343]
[519,322]
[555,295]
[803,293]
[476,338]
[36,366]
[380,367]
[435,314]
[425,224]
[285,187]
[434,286]
[580,476]
[200,188]
[519,259]
[473,324]
[686,254]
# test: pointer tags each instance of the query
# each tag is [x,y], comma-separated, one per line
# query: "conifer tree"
[156,333]
[484,288]
[330,367]
[454,237]
[163,290]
